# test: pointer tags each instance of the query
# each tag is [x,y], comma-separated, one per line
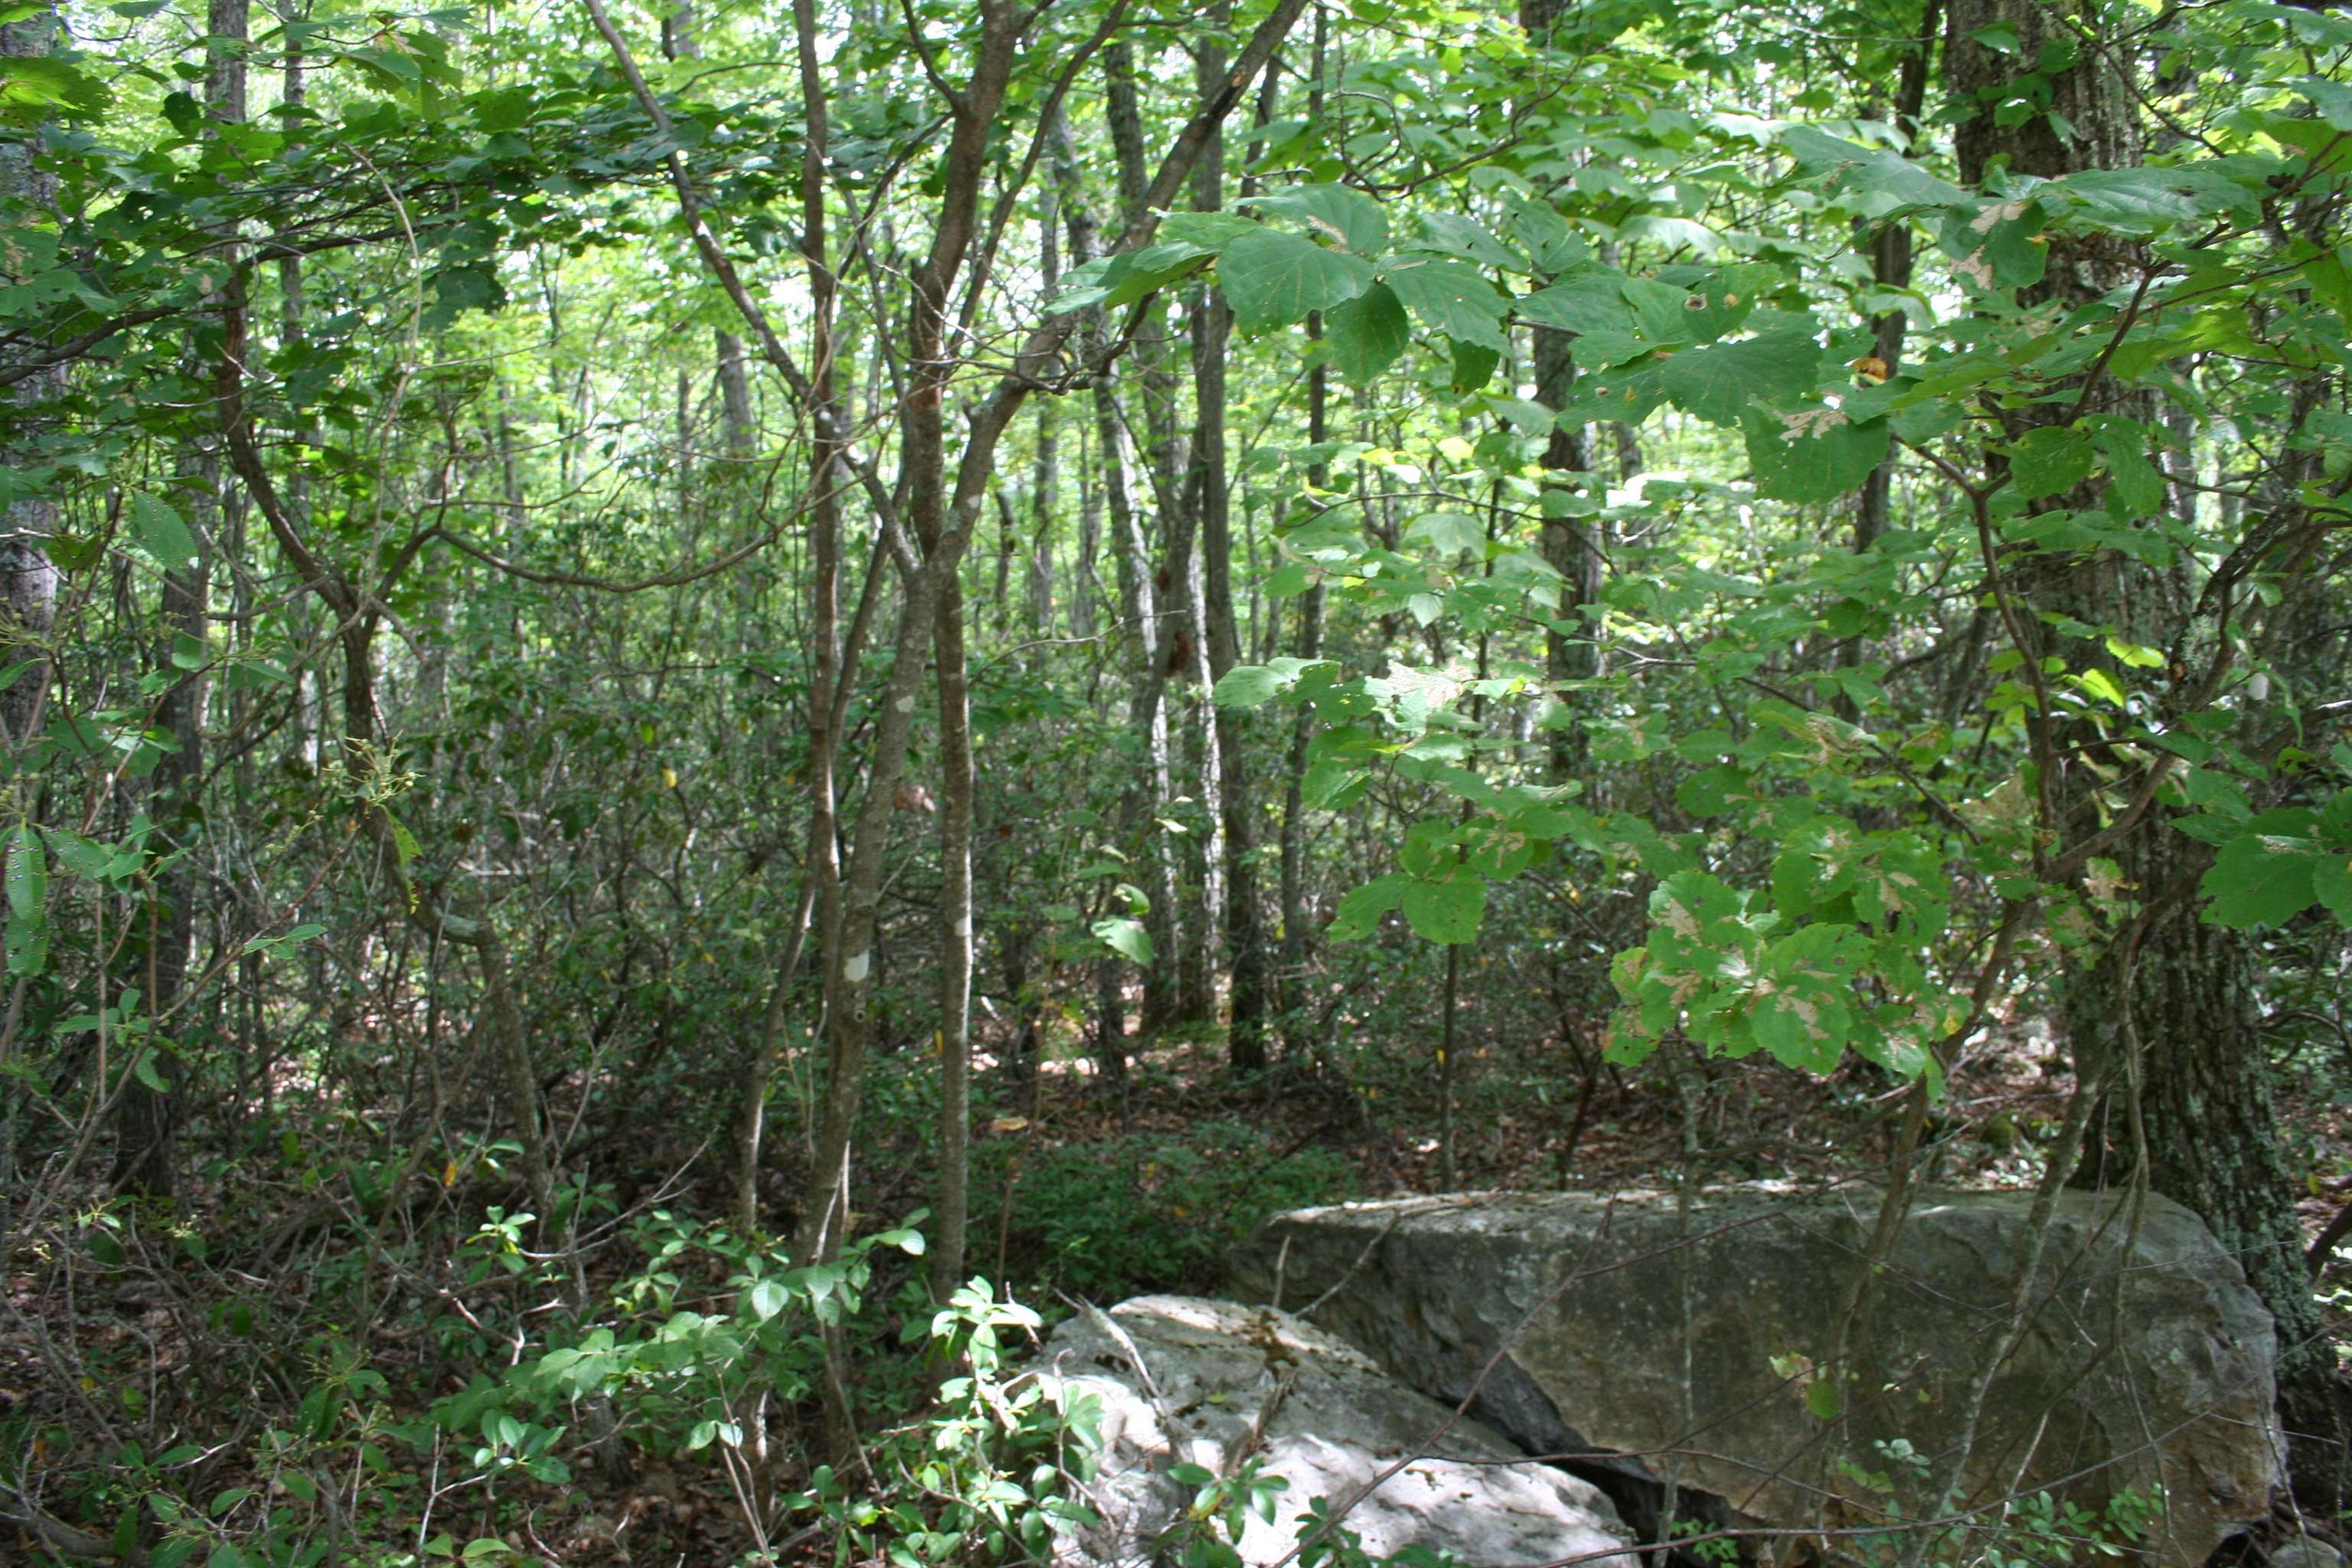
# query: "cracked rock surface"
[1699,1340]
[1187,1380]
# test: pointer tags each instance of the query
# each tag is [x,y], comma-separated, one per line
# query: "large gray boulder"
[1691,1343]
[1209,1383]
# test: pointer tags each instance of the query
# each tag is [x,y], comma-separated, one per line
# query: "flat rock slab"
[1692,1343]
[1184,1380]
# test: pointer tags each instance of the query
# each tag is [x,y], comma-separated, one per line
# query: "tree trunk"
[1570,545]
[149,1117]
[827,682]
[1213,324]
[2166,999]
[956,783]
[28,581]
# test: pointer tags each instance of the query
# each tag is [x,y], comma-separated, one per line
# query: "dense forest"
[706,710]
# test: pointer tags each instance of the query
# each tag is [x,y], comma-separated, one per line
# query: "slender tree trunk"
[827,681]
[1297,1027]
[941,522]
[149,1117]
[1890,265]
[1244,920]
[1570,542]
[1154,605]
[956,783]
[1298,1012]
[28,583]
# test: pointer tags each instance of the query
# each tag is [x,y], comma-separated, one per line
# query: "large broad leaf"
[1799,1006]
[1455,234]
[1273,279]
[1892,180]
[2044,462]
[2149,201]
[27,877]
[1695,920]
[1449,298]
[1248,685]
[1446,912]
[1719,382]
[1360,910]
[1125,937]
[1367,333]
[38,88]
[28,871]
[1586,302]
[161,533]
[1721,301]
[2261,879]
[1812,456]
[2331,880]
[1347,219]
[1114,280]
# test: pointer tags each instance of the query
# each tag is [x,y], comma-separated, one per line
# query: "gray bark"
[28,581]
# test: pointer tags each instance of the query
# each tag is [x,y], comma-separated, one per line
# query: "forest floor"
[1106,1205]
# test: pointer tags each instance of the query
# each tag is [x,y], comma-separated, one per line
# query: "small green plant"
[992,1472]
[1703,1544]
[1209,1534]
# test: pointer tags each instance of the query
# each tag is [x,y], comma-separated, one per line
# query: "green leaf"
[307,932]
[1273,279]
[1121,279]
[1472,366]
[2147,201]
[2261,879]
[1800,1004]
[1812,455]
[2134,488]
[158,530]
[1588,302]
[2102,685]
[81,856]
[1462,236]
[1248,686]
[1347,217]
[1447,912]
[1360,910]
[2048,460]
[28,871]
[1718,383]
[1875,172]
[1125,937]
[767,1298]
[1453,300]
[2331,883]
[1367,333]
[34,87]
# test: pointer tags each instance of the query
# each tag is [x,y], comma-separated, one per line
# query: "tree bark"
[2165,1005]
[1571,543]
[28,581]
[1212,322]
[821,865]
[149,1117]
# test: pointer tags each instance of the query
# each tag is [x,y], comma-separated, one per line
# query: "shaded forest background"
[674,679]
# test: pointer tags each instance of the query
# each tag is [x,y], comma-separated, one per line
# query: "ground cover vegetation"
[694,696]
